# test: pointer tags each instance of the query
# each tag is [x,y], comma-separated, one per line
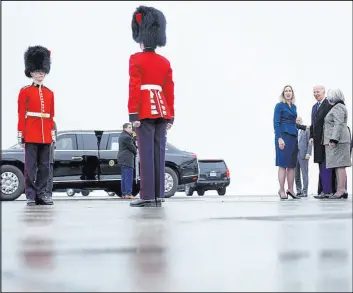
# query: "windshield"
[214,165]
[170,146]
[16,146]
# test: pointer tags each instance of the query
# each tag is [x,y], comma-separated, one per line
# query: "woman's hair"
[335,95]
[283,99]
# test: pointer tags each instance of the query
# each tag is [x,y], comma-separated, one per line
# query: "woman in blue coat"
[286,141]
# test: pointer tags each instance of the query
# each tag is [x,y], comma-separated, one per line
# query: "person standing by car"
[151,102]
[49,190]
[337,141]
[286,141]
[36,124]
[126,159]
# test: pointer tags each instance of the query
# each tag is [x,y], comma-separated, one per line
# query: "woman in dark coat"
[286,141]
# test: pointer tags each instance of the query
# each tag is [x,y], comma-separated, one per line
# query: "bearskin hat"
[37,58]
[149,27]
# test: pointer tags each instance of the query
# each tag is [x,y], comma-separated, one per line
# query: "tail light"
[228,173]
[194,155]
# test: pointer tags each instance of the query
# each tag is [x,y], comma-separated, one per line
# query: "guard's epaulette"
[26,86]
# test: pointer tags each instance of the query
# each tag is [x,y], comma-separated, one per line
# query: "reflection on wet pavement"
[206,245]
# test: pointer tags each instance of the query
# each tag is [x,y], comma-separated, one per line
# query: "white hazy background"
[230,60]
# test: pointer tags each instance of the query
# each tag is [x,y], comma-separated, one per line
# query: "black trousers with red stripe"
[37,157]
[151,139]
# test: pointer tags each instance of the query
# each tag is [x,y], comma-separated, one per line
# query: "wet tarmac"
[206,244]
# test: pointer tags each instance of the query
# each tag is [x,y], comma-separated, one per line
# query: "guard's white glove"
[53,136]
[20,137]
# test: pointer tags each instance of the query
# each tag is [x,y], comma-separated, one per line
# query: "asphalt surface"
[210,243]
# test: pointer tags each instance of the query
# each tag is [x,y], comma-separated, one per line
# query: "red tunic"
[151,87]
[35,114]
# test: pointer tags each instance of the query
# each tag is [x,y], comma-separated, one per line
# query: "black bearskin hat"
[37,58]
[149,27]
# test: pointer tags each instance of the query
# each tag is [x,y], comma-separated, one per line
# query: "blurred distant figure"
[126,160]
[286,140]
[304,153]
[327,178]
[337,141]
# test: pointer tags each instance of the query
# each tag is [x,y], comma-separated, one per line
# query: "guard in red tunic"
[151,102]
[36,125]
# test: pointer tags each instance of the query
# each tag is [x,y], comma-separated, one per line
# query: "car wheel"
[222,191]
[12,182]
[70,192]
[201,192]
[170,182]
[188,190]
[111,193]
[85,192]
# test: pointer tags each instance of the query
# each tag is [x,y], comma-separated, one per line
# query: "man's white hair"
[320,86]
[335,95]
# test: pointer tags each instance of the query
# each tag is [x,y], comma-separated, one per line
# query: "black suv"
[87,159]
[214,175]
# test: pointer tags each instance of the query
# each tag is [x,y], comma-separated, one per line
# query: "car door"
[110,170]
[91,161]
[68,160]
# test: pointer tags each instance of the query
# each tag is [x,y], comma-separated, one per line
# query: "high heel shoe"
[334,196]
[292,195]
[280,196]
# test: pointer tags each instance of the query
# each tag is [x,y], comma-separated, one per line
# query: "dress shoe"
[31,202]
[322,196]
[44,201]
[146,203]
[299,194]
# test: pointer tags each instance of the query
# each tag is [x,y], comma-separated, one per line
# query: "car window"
[214,165]
[89,141]
[113,142]
[66,142]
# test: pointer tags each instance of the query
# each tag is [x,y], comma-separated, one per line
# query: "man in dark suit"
[327,177]
[126,158]
[304,154]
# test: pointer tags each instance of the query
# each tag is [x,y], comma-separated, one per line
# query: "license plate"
[213,174]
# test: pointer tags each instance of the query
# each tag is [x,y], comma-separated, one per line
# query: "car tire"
[222,191]
[201,192]
[188,190]
[70,192]
[111,193]
[15,176]
[85,192]
[171,175]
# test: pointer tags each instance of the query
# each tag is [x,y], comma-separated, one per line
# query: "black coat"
[317,129]
[127,150]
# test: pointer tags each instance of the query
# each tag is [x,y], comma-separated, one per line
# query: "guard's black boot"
[146,203]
